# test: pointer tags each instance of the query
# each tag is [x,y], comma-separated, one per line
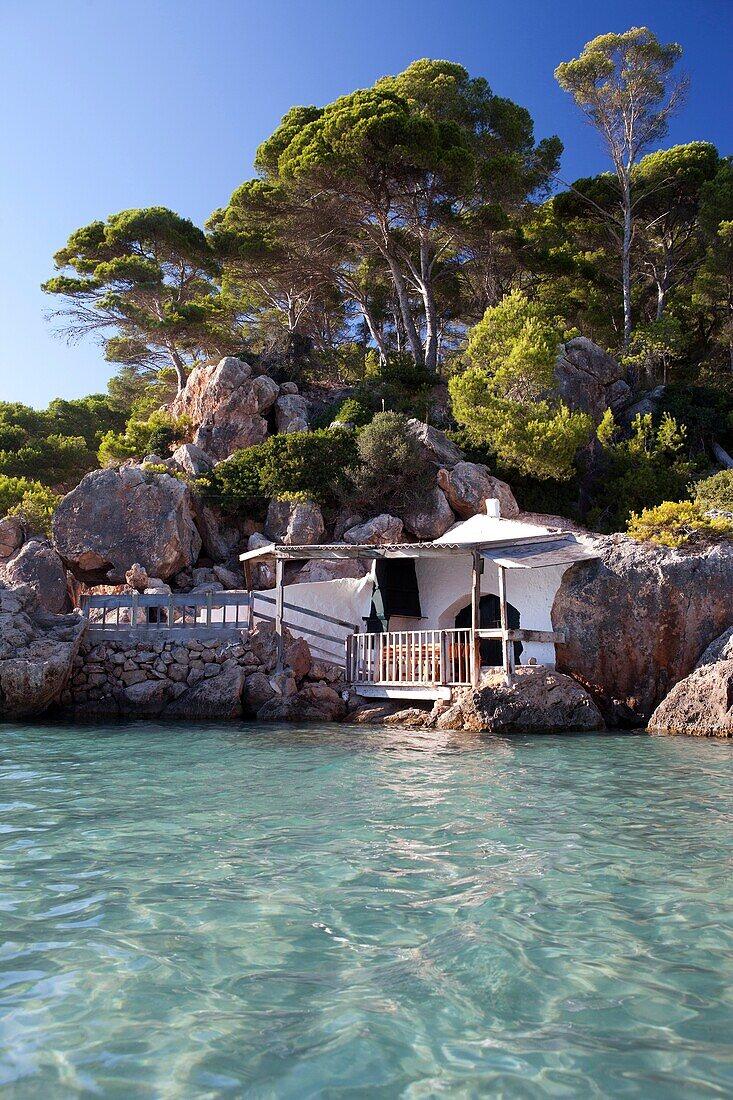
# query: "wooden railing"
[411,657]
[327,644]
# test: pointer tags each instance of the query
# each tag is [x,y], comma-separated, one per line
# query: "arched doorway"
[490,616]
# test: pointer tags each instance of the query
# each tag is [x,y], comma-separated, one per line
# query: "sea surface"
[250,911]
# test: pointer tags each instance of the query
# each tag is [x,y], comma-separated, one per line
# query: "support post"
[477,570]
[507,646]
[279,615]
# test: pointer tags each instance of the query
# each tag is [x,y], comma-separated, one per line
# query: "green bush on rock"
[33,502]
[676,523]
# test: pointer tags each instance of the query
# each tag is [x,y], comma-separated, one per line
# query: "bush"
[716,491]
[391,475]
[677,523]
[30,500]
[309,465]
[640,472]
[156,435]
[354,411]
[55,460]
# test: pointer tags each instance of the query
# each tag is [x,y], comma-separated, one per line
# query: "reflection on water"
[277,912]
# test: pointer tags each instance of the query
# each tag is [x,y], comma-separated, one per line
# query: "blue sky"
[107,105]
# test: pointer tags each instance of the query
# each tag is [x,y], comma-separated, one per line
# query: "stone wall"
[201,679]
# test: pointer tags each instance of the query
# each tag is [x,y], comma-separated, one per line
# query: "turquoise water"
[274,912]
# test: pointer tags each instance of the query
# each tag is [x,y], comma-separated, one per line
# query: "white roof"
[483,528]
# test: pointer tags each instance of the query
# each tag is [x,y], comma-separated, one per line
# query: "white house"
[430,614]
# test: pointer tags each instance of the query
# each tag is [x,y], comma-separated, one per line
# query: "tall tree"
[404,164]
[624,85]
[145,280]
[713,287]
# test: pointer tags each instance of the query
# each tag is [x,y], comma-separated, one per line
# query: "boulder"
[701,705]
[434,444]
[294,522]
[223,403]
[313,703]
[192,459]
[262,572]
[468,486]
[38,565]
[537,701]
[291,413]
[145,699]
[220,536]
[218,696]
[37,651]
[137,577]
[379,530]
[638,618]
[589,379]
[257,691]
[114,519]
[266,391]
[297,657]
[431,518]
[326,570]
[719,650]
[11,536]
[288,388]
[232,581]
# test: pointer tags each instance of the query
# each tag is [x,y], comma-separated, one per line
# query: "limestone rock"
[144,699]
[223,403]
[38,565]
[220,536]
[538,701]
[430,519]
[192,459]
[700,705]
[11,536]
[288,388]
[313,703]
[218,696]
[37,652]
[589,379]
[232,581]
[638,619]
[116,518]
[294,522]
[262,572]
[434,444]
[469,485]
[291,413]
[379,530]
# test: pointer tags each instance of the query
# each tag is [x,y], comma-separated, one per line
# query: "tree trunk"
[408,320]
[178,368]
[431,318]
[374,332]
[626,256]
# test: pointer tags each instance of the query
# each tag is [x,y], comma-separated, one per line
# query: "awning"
[538,556]
[370,552]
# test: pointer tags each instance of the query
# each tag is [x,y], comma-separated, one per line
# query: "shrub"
[716,491]
[640,472]
[676,523]
[156,435]
[354,411]
[30,500]
[309,465]
[55,460]
[391,474]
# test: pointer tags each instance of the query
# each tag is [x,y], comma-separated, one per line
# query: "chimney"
[492,508]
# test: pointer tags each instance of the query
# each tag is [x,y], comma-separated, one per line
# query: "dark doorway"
[490,616]
[396,593]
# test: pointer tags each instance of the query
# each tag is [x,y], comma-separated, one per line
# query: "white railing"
[411,657]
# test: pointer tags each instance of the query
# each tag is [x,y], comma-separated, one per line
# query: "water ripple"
[262,912]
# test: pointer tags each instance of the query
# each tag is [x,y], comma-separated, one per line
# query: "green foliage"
[310,465]
[55,445]
[704,410]
[716,492]
[354,411]
[148,275]
[33,502]
[677,523]
[505,397]
[654,347]
[155,435]
[391,474]
[641,471]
